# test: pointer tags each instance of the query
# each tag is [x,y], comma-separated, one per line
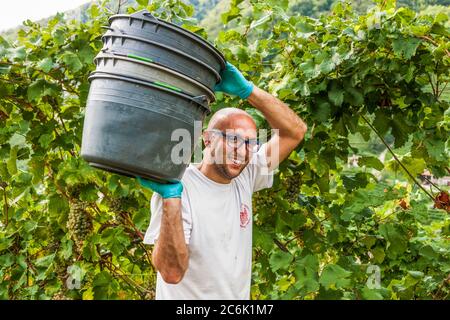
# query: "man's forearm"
[278,114]
[171,252]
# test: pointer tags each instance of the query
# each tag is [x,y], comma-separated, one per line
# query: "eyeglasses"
[236,141]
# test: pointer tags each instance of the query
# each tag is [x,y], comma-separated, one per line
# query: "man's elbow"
[172,276]
[300,132]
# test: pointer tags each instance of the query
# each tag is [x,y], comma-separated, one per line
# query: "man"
[202,227]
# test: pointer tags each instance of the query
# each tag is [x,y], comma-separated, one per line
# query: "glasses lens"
[234,141]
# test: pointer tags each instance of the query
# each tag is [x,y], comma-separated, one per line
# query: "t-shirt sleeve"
[156,209]
[258,171]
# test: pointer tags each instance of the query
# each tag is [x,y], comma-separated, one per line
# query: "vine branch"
[396,158]
[5,199]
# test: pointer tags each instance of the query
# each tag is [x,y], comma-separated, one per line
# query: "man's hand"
[233,82]
[169,190]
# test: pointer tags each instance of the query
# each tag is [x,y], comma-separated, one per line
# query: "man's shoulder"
[189,173]
[190,169]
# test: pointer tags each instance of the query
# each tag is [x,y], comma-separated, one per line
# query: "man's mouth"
[236,162]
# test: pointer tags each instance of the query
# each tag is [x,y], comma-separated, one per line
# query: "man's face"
[228,157]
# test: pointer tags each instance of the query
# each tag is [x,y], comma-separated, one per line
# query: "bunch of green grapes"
[122,207]
[79,223]
[122,204]
[115,205]
[292,185]
[262,199]
[150,295]
[74,191]
[60,270]
[60,295]
[53,240]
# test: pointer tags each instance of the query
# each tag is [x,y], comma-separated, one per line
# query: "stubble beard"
[222,168]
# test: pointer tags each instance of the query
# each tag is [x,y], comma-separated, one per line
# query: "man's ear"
[206,138]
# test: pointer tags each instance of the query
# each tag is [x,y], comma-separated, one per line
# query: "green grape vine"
[372,87]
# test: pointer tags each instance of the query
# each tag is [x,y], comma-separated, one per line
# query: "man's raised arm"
[291,129]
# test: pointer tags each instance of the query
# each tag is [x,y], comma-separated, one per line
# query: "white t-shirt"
[217,222]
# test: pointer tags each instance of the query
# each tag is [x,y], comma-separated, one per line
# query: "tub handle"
[145,15]
[202,100]
[150,16]
[114,29]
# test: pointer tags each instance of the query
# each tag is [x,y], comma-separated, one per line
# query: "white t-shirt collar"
[207,180]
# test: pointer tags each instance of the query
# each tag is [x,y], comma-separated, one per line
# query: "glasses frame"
[237,144]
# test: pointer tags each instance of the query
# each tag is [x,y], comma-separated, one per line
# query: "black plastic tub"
[116,41]
[145,25]
[129,123]
[137,68]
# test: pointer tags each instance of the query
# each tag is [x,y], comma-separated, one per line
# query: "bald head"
[231,118]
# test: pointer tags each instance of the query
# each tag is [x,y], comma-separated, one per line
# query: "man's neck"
[211,173]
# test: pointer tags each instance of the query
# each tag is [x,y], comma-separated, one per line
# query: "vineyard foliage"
[326,230]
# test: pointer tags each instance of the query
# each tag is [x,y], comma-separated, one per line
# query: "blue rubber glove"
[169,190]
[233,82]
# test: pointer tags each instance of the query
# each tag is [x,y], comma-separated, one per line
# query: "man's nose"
[241,151]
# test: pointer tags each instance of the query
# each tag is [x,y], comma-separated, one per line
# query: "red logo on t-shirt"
[244,215]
